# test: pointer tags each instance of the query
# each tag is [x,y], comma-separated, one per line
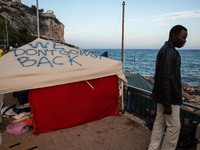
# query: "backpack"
[187,138]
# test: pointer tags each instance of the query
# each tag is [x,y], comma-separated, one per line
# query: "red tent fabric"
[73,104]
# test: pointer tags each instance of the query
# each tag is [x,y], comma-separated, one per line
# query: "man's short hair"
[176,30]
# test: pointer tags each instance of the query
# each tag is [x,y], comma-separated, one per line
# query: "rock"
[197,99]
[187,96]
[23,18]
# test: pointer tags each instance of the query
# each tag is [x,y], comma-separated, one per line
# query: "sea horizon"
[143,62]
[181,49]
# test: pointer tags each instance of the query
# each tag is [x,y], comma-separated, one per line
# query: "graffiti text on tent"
[42,54]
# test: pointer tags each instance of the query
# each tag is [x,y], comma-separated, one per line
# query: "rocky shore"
[191,94]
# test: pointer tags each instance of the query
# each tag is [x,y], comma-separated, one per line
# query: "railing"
[140,103]
[188,116]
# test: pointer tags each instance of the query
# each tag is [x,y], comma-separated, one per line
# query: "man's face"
[180,39]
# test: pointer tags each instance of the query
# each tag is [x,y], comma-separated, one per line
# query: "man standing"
[167,92]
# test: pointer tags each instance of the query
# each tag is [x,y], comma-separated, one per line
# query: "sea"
[143,62]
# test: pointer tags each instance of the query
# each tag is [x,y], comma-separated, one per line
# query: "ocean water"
[143,62]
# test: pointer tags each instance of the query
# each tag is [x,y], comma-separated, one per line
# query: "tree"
[34,8]
[41,11]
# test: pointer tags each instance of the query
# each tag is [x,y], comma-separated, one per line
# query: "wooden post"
[123,8]
[122,57]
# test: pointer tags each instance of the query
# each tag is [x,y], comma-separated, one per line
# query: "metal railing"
[140,103]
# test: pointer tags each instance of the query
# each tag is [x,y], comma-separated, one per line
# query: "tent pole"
[7,40]
[122,96]
[38,24]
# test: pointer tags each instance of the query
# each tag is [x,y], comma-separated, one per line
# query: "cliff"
[22,19]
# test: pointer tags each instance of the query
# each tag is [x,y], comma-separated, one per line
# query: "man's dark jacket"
[167,80]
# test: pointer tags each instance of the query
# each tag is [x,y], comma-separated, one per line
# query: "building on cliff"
[49,13]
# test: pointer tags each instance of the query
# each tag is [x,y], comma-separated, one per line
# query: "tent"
[43,63]
[140,86]
[137,81]
[67,86]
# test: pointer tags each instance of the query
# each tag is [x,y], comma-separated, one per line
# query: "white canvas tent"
[43,63]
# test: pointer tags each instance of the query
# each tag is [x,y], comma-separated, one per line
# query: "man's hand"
[167,110]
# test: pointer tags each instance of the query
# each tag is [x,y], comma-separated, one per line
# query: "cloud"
[80,30]
[176,15]
[161,19]
[137,20]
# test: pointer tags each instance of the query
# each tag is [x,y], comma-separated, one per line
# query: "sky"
[97,24]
